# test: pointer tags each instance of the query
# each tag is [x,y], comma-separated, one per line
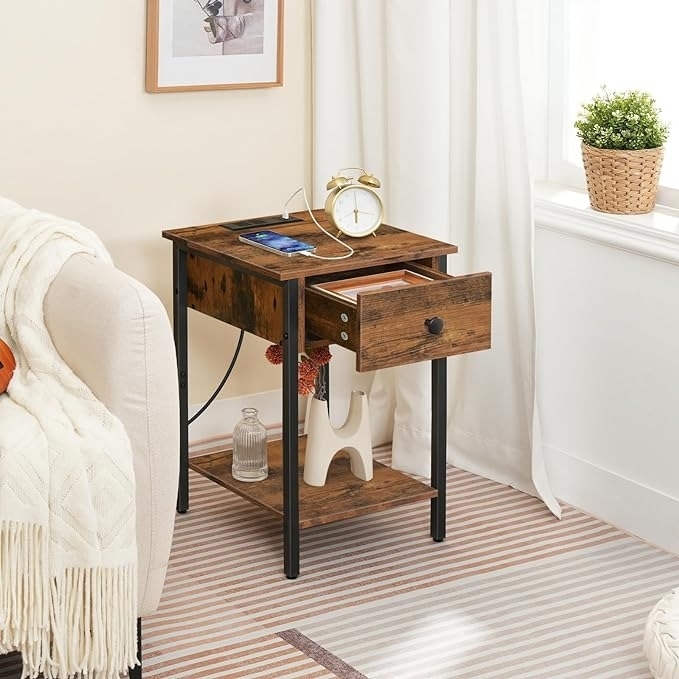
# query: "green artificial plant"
[621,120]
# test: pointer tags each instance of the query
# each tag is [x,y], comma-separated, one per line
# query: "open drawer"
[403,316]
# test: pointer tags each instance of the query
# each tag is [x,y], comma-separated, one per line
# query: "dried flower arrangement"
[309,376]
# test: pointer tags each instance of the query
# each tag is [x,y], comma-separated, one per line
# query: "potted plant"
[622,150]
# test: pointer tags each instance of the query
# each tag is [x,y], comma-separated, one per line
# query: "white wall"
[608,373]
[80,137]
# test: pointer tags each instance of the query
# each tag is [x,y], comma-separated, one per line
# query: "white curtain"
[428,97]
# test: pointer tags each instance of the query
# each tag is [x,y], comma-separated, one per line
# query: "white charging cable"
[285,215]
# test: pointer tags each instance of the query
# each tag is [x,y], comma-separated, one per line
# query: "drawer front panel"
[393,328]
[388,328]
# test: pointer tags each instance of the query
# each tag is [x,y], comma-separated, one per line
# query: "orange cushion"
[7,365]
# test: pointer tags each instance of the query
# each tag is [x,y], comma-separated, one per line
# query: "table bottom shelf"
[343,496]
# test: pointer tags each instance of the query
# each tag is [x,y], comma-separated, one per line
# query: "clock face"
[356,210]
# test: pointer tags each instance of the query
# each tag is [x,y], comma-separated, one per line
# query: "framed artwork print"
[213,44]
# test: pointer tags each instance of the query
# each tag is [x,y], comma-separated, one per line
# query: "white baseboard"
[214,427]
[212,430]
[622,502]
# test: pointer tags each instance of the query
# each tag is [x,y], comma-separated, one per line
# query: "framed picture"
[213,44]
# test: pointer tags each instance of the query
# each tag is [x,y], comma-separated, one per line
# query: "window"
[624,45]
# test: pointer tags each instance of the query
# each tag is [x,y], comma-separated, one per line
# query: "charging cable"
[236,353]
[223,382]
[285,215]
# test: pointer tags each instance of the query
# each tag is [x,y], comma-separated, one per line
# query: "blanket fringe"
[82,620]
[93,613]
[24,610]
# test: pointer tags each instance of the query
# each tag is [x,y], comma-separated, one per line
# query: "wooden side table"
[283,300]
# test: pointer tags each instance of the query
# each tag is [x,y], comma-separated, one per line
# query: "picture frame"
[213,44]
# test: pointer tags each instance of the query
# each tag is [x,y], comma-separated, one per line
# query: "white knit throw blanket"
[68,582]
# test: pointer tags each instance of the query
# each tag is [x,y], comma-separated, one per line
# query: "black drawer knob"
[434,325]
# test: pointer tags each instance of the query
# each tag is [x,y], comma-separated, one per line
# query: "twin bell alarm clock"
[353,206]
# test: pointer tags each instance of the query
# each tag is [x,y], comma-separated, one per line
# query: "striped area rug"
[512,592]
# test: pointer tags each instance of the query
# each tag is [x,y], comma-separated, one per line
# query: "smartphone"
[276,242]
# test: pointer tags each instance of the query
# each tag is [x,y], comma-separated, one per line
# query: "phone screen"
[277,242]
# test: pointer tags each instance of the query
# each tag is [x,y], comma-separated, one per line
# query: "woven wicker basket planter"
[622,182]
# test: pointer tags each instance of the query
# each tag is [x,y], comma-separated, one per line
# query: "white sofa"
[116,336]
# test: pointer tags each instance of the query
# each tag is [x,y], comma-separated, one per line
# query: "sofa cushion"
[115,335]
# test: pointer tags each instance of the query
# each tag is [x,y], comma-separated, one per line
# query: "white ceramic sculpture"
[323,441]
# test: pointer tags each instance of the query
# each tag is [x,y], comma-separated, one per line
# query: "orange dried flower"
[308,367]
[274,354]
[320,355]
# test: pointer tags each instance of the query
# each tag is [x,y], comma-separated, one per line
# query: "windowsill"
[567,210]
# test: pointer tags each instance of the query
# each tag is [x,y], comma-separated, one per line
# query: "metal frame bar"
[438,438]
[290,436]
[438,448]
[180,323]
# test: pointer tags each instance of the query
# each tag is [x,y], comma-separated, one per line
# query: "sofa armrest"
[115,335]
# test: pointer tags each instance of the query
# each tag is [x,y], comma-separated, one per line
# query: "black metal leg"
[438,448]
[439,408]
[135,672]
[181,347]
[290,415]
